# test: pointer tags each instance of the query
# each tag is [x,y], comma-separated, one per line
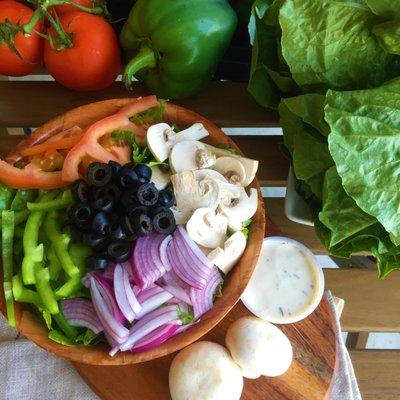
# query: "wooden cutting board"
[314,343]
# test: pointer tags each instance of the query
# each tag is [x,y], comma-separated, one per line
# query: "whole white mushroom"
[258,347]
[205,371]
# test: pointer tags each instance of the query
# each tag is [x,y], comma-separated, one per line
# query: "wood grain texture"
[377,373]
[225,103]
[314,344]
[34,329]
[371,304]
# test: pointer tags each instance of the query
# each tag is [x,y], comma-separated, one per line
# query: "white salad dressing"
[287,284]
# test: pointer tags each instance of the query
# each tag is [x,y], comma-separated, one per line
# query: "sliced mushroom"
[250,166]
[201,174]
[157,141]
[161,138]
[160,178]
[232,169]
[242,208]
[190,155]
[191,194]
[181,216]
[227,257]
[194,132]
[207,228]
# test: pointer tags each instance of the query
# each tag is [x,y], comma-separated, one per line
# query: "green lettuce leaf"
[270,78]
[388,35]
[385,8]
[329,44]
[302,121]
[365,144]
[345,229]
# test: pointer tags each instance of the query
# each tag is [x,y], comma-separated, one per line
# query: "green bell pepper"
[6,196]
[24,295]
[64,200]
[177,49]
[7,240]
[60,242]
[44,289]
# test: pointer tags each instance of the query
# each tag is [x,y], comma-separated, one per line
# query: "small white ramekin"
[304,311]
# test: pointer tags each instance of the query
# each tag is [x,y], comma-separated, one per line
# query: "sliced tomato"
[51,160]
[29,177]
[60,144]
[89,145]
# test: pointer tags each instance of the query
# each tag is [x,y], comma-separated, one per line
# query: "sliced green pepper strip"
[79,253]
[60,243]
[58,337]
[62,201]
[21,216]
[70,331]
[44,289]
[69,288]
[33,252]
[24,295]
[53,263]
[7,241]
[21,198]
[6,196]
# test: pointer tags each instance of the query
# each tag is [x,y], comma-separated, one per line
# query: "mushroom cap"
[258,347]
[207,228]
[205,371]
[232,169]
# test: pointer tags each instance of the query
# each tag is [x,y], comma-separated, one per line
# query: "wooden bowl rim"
[32,328]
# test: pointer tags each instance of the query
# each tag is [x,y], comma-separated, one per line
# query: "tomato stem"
[36,17]
[8,31]
[63,39]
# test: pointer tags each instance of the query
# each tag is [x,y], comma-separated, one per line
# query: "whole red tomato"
[29,47]
[93,60]
[65,8]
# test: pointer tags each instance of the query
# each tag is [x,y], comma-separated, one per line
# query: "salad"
[123,231]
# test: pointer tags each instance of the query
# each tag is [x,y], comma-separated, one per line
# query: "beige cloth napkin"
[29,373]
[345,386]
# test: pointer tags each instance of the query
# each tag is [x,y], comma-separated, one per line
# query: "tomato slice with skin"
[29,177]
[89,144]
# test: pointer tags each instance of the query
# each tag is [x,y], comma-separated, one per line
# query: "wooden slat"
[371,304]
[377,373]
[30,104]
[274,209]
[274,166]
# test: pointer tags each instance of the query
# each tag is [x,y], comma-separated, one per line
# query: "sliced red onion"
[181,231]
[127,265]
[81,313]
[108,273]
[202,300]
[188,257]
[163,252]
[173,284]
[111,326]
[145,294]
[150,322]
[155,338]
[124,295]
[107,293]
[132,300]
[183,267]
[153,302]
[146,269]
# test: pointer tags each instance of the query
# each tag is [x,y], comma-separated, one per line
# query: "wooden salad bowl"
[29,325]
